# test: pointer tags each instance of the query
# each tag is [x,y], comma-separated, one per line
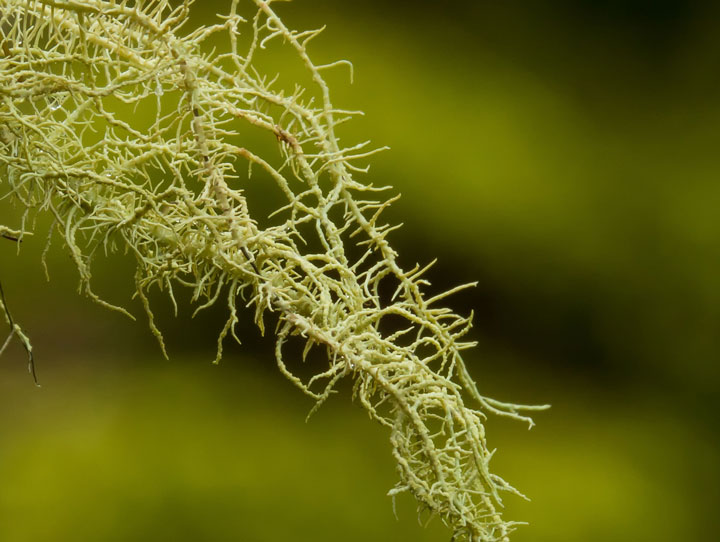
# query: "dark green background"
[564,154]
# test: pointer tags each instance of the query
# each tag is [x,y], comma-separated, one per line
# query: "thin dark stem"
[14,331]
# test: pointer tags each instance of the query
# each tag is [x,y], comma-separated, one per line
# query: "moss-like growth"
[167,190]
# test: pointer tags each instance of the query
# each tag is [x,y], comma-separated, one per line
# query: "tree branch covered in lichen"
[167,188]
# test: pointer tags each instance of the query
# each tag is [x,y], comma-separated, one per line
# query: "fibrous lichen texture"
[169,187]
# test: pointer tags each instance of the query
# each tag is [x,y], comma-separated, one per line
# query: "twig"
[16,330]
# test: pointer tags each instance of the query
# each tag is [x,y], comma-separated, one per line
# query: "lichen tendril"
[166,185]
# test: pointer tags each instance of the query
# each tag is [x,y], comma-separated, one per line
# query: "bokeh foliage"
[564,156]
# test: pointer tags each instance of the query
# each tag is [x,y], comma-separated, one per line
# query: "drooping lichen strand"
[167,187]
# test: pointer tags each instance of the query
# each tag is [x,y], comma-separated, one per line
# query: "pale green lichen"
[169,190]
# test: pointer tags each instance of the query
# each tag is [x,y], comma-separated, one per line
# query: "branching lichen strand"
[167,188]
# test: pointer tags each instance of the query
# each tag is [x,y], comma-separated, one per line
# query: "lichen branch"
[167,186]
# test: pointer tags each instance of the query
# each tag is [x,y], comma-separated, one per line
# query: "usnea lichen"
[168,189]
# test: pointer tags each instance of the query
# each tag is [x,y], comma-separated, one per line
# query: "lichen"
[168,189]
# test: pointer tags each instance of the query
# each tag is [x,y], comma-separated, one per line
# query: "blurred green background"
[563,153]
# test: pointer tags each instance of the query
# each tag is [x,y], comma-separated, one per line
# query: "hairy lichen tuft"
[167,187]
